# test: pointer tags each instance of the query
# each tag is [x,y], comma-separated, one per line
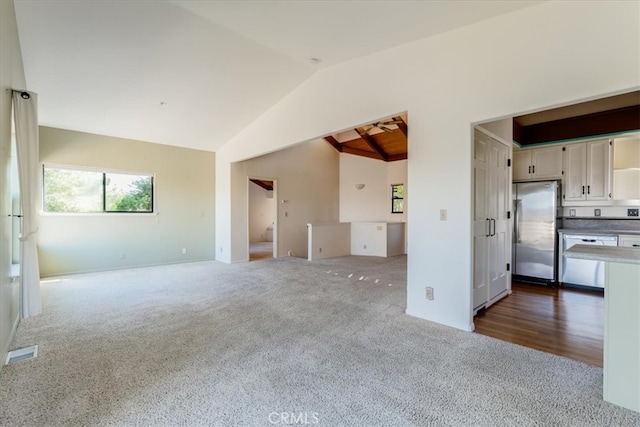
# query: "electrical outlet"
[597,212]
[572,212]
[364,246]
[429,293]
[123,255]
[320,250]
[184,251]
[632,212]
[443,214]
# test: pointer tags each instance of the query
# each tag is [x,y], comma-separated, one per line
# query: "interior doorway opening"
[533,315]
[262,219]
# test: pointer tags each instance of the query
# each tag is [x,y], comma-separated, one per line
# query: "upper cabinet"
[537,163]
[587,172]
[596,172]
[626,168]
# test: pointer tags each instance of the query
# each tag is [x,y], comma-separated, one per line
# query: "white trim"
[107,214]
[94,169]
[104,171]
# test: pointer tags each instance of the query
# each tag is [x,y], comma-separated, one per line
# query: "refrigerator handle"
[487,227]
[518,207]
[493,233]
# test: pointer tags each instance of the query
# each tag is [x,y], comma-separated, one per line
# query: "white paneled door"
[491,222]
[481,221]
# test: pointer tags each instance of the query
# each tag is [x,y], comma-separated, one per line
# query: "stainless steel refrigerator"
[537,216]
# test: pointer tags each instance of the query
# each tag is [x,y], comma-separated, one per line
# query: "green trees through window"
[397,198]
[85,191]
[128,193]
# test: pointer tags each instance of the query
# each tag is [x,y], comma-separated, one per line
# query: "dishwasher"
[583,272]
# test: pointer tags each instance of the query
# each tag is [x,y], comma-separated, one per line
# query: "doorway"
[262,219]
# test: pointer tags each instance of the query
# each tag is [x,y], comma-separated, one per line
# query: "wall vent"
[22,354]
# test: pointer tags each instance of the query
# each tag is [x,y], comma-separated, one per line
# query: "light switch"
[443,214]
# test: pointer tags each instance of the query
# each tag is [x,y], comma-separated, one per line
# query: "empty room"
[303,212]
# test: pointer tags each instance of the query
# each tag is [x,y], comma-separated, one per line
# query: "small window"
[89,191]
[397,198]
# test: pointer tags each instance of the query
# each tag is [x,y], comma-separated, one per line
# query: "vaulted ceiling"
[195,73]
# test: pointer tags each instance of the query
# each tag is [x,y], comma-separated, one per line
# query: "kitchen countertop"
[604,253]
[587,232]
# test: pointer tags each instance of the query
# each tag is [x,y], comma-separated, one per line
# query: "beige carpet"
[266,342]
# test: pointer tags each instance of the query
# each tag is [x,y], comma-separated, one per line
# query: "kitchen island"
[621,371]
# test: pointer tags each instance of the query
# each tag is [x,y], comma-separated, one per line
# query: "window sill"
[108,214]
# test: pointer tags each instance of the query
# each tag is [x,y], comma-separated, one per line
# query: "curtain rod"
[23,93]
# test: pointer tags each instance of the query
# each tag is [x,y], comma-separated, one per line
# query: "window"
[90,191]
[397,198]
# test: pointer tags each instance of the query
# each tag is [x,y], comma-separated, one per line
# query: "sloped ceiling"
[337,31]
[195,73]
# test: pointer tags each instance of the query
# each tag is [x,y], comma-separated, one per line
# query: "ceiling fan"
[384,125]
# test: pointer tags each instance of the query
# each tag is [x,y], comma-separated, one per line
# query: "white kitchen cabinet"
[629,241]
[587,172]
[492,231]
[537,163]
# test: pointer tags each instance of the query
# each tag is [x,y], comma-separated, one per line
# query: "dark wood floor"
[566,322]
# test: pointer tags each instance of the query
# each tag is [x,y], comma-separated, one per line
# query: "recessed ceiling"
[105,67]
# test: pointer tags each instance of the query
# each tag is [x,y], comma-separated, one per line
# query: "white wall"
[184,198]
[396,238]
[262,206]
[501,129]
[11,77]
[381,239]
[328,240]
[373,202]
[307,178]
[552,54]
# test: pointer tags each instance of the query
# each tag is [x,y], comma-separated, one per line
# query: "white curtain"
[25,110]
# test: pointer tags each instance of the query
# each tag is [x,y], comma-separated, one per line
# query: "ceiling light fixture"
[359,186]
[162,103]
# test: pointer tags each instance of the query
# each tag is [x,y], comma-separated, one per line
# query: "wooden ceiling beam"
[402,125]
[334,142]
[601,123]
[372,144]
[263,184]
[363,153]
[396,157]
